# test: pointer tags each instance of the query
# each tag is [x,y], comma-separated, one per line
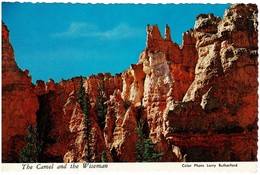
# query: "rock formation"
[19,102]
[219,108]
[198,99]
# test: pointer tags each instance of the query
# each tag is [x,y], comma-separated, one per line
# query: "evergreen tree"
[140,142]
[144,147]
[30,153]
[104,156]
[101,107]
[149,154]
[83,100]
[87,133]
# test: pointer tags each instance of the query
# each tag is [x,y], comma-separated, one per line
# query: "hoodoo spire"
[167,33]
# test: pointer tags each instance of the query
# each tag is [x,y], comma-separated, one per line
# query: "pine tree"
[87,133]
[30,153]
[83,100]
[101,107]
[144,147]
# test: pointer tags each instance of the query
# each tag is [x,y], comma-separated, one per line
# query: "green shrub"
[104,156]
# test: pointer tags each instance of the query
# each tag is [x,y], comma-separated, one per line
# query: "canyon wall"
[19,102]
[198,101]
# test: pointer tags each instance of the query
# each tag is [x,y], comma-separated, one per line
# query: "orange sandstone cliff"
[198,100]
[19,102]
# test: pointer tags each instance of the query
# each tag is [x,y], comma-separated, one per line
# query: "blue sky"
[66,40]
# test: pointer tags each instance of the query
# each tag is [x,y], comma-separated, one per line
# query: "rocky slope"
[198,100]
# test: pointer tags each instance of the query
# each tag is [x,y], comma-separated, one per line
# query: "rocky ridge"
[198,100]
[17,92]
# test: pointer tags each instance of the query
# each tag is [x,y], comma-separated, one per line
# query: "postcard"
[92,87]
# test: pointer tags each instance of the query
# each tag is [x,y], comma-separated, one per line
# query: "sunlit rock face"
[222,99]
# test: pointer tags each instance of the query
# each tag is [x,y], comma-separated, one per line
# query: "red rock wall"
[19,102]
[67,126]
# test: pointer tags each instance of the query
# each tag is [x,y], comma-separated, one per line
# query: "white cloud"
[77,29]
[83,30]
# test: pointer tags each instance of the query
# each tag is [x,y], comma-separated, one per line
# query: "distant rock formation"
[199,100]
